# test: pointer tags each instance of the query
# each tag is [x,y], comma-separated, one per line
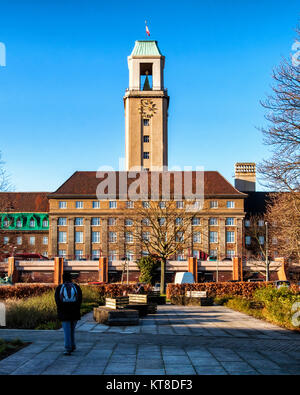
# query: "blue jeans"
[69,332]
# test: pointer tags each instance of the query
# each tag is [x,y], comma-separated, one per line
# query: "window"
[129,256]
[5,222]
[79,221]
[196,205]
[146,121]
[229,237]
[146,204]
[62,204]
[62,237]
[45,240]
[162,204]
[261,222]
[45,223]
[247,223]
[79,204]
[196,221]
[146,221]
[161,221]
[180,256]
[45,253]
[62,253]
[112,204]
[5,240]
[62,221]
[213,253]
[145,253]
[178,221]
[146,236]
[213,237]
[146,139]
[261,240]
[112,256]
[274,240]
[96,204]
[180,204]
[179,237]
[128,237]
[78,237]
[230,254]
[19,223]
[111,221]
[229,221]
[19,240]
[146,155]
[197,237]
[32,223]
[213,204]
[213,221]
[96,221]
[32,240]
[248,240]
[230,204]
[95,237]
[130,204]
[78,254]
[128,222]
[112,237]
[196,254]
[95,254]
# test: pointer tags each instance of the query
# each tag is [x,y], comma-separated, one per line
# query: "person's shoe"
[73,348]
[67,352]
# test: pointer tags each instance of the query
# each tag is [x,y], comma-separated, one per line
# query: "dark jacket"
[68,311]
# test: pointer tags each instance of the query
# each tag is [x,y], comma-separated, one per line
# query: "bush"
[21,291]
[242,289]
[147,266]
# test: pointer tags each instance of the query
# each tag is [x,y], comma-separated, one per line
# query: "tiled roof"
[146,48]
[24,202]
[86,183]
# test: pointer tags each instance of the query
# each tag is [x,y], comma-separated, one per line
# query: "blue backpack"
[68,293]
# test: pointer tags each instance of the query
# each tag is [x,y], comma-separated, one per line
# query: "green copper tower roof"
[146,48]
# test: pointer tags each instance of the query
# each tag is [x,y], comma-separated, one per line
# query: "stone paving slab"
[188,340]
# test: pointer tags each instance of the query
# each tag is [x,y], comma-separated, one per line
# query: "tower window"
[146,155]
[146,122]
[146,139]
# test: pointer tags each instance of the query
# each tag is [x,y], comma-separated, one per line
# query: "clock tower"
[146,109]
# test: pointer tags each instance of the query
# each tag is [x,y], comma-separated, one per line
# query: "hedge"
[242,289]
[20,291]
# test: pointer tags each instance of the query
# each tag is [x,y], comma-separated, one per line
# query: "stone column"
[12,272]
[222,239]
[71,244]
[104,238]
[53,237]
[103,269]
[58,270]
[193,267]
[87,237]
[137,244]
[121,238]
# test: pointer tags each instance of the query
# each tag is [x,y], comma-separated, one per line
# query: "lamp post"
[267,253]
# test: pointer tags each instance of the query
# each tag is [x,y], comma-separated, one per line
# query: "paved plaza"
[176,340]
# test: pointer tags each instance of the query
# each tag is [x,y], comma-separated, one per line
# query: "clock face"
[147,108]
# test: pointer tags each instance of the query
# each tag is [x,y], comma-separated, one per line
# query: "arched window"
[19,222]
[32,222]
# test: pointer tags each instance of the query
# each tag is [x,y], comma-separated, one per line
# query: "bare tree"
[163,230]
[282,171]
[5,184]
[283,216]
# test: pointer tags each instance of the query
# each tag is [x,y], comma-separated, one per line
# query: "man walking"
[68,298]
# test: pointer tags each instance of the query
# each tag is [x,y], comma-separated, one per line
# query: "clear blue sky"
[61,93]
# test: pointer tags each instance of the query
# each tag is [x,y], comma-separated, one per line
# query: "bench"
[137,301]
[119,302]
[114,317]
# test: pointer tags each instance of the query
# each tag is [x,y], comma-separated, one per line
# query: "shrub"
[20,291]
[147,266]
[242,289]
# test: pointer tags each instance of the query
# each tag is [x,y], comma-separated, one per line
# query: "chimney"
[245,177]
